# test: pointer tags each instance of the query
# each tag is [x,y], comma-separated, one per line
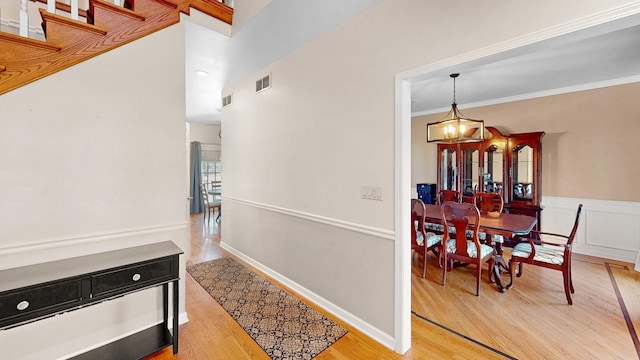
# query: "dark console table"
[33,292]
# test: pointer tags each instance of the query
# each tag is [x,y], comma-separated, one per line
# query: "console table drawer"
[133,277]
[39,301]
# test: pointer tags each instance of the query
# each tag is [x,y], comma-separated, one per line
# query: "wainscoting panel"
[600,231]
[608,229]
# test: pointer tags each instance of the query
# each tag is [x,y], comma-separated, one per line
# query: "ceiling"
[602,55]
[203,93]
[578,61]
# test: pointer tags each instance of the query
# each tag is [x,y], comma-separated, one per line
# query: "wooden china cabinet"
[510,165]
[525,174]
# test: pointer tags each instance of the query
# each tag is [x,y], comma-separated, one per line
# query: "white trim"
[403,120]
[538,94]
[328,306]
[56,243]
[402,194]
[364,229]
[521,41]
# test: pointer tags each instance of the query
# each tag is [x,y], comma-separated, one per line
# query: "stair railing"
[24,19]
[23,16]
[23,24]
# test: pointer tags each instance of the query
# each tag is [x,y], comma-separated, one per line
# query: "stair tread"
[28,42]
[77,24]
[117,9]
[25,60]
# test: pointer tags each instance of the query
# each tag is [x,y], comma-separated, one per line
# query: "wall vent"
[263,83]
[226,100]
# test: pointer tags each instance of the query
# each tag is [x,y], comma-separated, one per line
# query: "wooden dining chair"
[210,205]
[449,195]
[462,217]
[489,203]
[421,241]
[551,255]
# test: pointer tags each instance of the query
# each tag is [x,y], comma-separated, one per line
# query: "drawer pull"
[22,305]
[136,277]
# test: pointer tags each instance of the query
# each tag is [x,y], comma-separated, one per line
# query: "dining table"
[493,223]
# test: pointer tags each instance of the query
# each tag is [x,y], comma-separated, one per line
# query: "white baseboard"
[328,306]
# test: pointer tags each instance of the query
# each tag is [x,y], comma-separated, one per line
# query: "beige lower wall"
[589,149]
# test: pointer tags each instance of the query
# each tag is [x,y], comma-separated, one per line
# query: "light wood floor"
[530,321]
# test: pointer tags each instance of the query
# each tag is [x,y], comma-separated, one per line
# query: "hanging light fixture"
[455,127]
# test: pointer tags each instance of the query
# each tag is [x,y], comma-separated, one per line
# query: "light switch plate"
[371,192]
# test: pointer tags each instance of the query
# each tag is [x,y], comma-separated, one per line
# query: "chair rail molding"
[364,229]
[13,255]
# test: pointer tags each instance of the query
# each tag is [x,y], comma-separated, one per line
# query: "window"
[211,167]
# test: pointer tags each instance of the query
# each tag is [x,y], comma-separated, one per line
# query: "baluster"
[117,2]
[74,9]
[51,6]
[24,19]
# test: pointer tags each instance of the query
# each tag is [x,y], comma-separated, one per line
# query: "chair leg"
[571,281]
[519,270]
[567,284]
[444,267]
[478,276]
[512,270]
[491,264]
[570,276]
[424,264]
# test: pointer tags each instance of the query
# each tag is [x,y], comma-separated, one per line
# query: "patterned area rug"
[285,327]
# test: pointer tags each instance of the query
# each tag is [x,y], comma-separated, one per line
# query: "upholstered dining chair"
[462,217]
[210,205]
[551,255]
[421,241]
[449,195]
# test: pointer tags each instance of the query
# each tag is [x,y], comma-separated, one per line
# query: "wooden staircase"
[69,42]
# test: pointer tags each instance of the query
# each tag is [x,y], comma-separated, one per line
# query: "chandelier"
[455,127]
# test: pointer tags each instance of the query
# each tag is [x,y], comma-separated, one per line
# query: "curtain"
[195,179]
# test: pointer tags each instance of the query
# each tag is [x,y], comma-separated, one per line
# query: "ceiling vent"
[263,83]
[226,100]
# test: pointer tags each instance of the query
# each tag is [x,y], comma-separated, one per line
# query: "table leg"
[175,316]
[499,263]
[496,272]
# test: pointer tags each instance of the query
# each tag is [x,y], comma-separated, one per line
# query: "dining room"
[534,318]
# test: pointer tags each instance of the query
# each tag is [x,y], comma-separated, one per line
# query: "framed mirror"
[522,173]
[448,170]
[493,169]
[469,166]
